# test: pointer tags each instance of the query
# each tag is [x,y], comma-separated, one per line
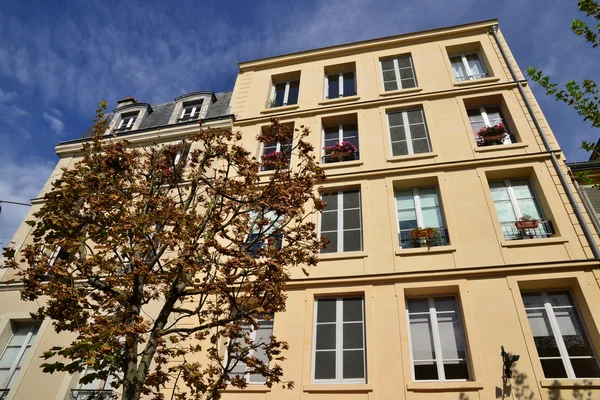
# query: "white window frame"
[463,57]
[562,348]
[286,92]
[397,72]
[340,221]
[196,110]
[437,343]
[340,134]
[513,198]
[340,84]
[252,336]
[130,118]
[486,120]
[339,350]
[24,347]
[407,133]
[103,385]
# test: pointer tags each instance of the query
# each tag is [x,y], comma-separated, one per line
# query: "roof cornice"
[133,107]
[367,44]
[196,94]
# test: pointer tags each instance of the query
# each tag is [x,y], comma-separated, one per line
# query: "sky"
[59,59]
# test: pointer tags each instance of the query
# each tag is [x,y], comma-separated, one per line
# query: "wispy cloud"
[6,96]
[55,123]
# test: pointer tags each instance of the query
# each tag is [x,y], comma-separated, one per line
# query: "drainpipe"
[586,204]
[561,176]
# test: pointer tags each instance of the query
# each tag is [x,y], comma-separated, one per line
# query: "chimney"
[126,101]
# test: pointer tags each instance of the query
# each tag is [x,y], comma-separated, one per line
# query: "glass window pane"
[352,219]
[404,62]
[585,367]
[332,132]
[279,93]
[399,149]
[391,85]
[408,83]
[326,310]
[352,241]
[353,309]
[458,67]
[353,335]
[351,199]
[418,131]
[406,73]
[425,371]
[532,300]
[331,201]
[575,339]
[456,370]
[505,211]
[429,197]
[446,304]
[389,76]
[420,146]
[405,200]
[554,368]
[522,189]
[499,191]
[387,64]
[414,116]
[349,84]
[528,206]
[353,364]
[325,365]
[542,333]
[19,335]
[451,336]
[333,242]
[9,356]
[333,82]
[350,130]
[293,92]
[329,221]
[474,64]
[408,225]
[397,133]
[421,337]
[418,305]
[395,119]
[325,337]
[432,218]
[560,299]
[3,375]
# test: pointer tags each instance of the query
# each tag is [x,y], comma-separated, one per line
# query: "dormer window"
[191,111]
[127,121]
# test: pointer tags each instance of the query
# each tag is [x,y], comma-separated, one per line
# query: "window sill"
[338,388]
[443,386]
[411,157]
[584,383]
[343,256]
[424,250]
[339,100]
[499,147]
[400,92]
[533,242]
[251,388]
[474,82]
[341,164]
[275,110]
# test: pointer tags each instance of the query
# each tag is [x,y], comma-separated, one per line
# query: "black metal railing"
[408,242]
[482,143]
[328,159]
[472,77]
[92,394]
[273,241]
[4,393]
[544,230]
[353,93]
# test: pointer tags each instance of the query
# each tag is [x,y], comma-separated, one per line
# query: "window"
[264,224]
[341,221]
[191,111]
[339,348]
[15,352]
[274,150]
[514,198]
[437,339]
[98,389]
[398,73]
[340,85]
[285,93]
[261,336]
[408,133]
[560,338]
[420,208]
[127,121]
[340,143]
[482,117]
[467,67]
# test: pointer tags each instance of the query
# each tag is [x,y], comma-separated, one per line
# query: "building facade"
[434,149]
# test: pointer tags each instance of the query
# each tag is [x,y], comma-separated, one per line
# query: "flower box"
[339,154]
[532,224]
[342,149]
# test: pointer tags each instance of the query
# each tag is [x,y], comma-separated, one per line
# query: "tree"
[584,97]
[149,256]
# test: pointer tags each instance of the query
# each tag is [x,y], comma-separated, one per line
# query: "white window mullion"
[485,117]
[341,133]
[513,198]
[397,73]
[339,362]
[340,221]
[286,93]
[326,87]
[341,84]
[463,57]
[274,92]
[418,209]
[15,363]
[558,337]
[437,343]
[407,134]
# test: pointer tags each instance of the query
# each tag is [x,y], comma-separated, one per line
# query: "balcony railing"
[471,77]
[328,159]
[273,241]
[92,394]
[4,393]
[406,242]
[353,93]
[544,230]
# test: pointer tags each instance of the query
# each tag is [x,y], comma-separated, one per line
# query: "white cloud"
[6,96]
[56,124]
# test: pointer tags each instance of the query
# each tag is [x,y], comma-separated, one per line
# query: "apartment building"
[435,149]
[394,312]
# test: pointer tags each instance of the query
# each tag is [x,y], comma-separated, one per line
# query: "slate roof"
[161,114]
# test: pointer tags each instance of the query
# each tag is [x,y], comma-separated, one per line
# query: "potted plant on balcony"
[490,135]
[527,222]
[425,236]
[340,150]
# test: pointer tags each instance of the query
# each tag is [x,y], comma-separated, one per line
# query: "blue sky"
[58,59]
